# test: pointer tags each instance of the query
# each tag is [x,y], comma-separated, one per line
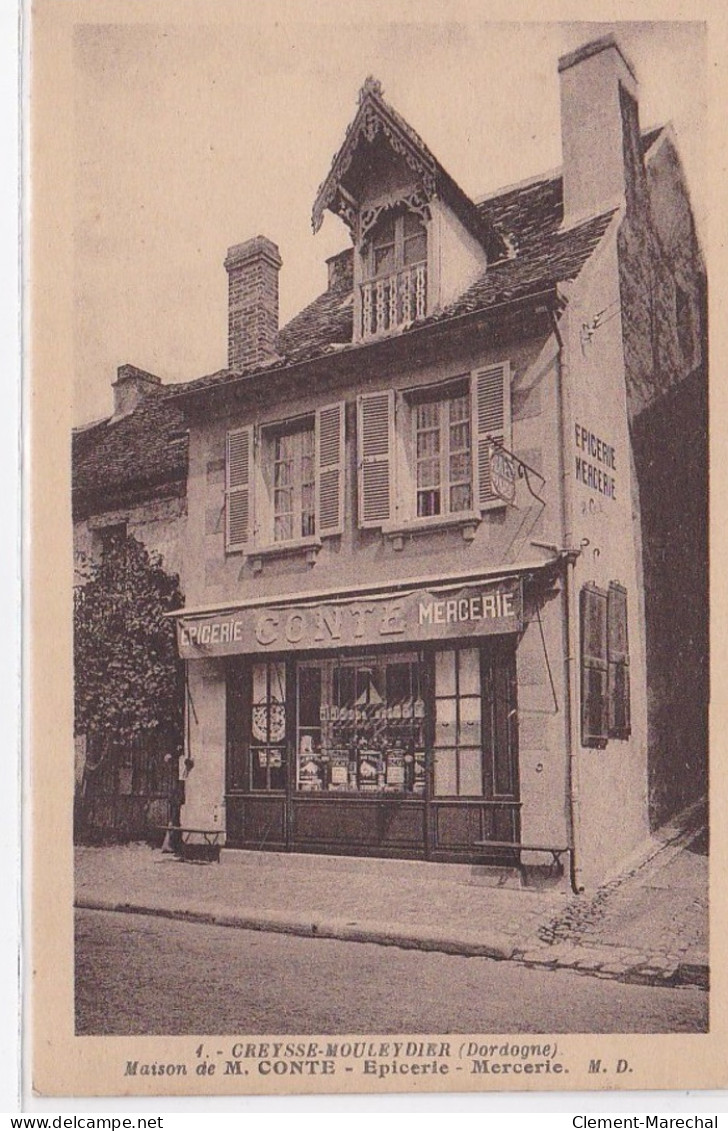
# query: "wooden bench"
[556,853]
[209,849]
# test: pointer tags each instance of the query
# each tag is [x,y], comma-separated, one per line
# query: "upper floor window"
[443,455]
[284,483]
[291,468]
[394,292]
[425,454]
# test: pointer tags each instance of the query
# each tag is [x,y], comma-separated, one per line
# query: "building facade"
[129,480]
[416,616]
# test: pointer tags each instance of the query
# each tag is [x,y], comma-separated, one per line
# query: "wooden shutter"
[594,665]
[238,463]
[491,395]
[618,655]
[375,439]
[330,455]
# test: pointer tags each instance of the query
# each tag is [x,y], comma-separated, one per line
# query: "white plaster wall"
[456,261]
[612,781]
[204,806]
[543,765]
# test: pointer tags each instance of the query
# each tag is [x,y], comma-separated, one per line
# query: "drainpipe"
[571,618]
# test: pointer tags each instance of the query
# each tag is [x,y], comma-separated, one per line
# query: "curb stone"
[626,966]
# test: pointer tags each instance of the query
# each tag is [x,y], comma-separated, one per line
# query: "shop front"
[382,726]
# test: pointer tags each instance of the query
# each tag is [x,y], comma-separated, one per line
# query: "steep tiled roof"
[145,448]
[528,216]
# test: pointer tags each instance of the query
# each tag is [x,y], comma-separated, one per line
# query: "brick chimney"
[252,269]
[598,109]
[131,386]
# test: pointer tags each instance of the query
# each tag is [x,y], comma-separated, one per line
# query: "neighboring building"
[427,576]
[129,476]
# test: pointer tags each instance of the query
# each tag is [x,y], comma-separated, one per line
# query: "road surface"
[137,974]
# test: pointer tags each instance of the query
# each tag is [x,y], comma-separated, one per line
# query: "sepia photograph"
[387,499]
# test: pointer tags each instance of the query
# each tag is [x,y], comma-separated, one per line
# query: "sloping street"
[138,974]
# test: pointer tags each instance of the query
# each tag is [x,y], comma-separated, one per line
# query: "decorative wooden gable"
[381,146]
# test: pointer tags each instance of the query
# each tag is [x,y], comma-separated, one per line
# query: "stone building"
[129,477]
[439,525]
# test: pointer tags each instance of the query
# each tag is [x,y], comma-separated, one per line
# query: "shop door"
[474,794]
[258,725]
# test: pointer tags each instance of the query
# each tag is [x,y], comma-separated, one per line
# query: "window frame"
[398,244]
[252,479]
[270,436]
[489,390]
[443,396]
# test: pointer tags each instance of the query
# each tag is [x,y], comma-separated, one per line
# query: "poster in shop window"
[445,738]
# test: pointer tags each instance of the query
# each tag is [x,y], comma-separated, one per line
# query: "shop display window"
[458,747]
[361,725]
[268,727]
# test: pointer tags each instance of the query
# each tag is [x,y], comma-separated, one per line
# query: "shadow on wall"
[671,457]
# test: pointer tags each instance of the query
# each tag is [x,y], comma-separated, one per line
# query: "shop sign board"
[502,474]
[485,609]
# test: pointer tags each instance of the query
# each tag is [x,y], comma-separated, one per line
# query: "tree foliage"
[127,671]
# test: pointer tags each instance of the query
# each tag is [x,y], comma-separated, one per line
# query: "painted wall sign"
[475,610]
[596,463]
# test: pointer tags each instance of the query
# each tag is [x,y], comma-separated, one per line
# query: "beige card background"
[63,1064]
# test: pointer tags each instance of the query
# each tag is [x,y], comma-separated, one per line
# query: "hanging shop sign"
[488,609]
[502,474]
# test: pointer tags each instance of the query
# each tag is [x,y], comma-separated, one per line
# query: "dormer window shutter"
[375,442]
[330,459]
[238,494]
[491,392]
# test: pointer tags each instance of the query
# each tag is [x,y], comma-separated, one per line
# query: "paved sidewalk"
[647,925]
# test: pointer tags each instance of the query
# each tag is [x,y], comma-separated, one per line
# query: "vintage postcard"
[369,648]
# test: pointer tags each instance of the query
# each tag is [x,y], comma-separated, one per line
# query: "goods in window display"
[370,716]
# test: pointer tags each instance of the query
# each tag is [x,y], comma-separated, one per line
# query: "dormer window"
[394,292]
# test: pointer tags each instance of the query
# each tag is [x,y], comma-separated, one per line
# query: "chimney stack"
[598,115]
[252,269]
[131,386]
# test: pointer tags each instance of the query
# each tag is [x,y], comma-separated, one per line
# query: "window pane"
[428,504]
[428,415]
[469,671]
[428,473]
[461,499]
[445,672]
[282,474]
[460,468]
[283,530]
[309,696]
[459,409]
[278,682]
[460,438]
[415,250]
[445,722]
[260,683]
[469,729]
[471,773]
[384,231]
[384,260]
[428,443]
[445,773]
[413,224]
